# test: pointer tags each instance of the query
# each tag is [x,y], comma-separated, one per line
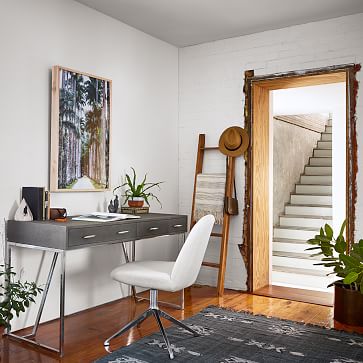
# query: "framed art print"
[80,131]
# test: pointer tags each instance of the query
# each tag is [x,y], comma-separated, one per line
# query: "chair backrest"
[190,258]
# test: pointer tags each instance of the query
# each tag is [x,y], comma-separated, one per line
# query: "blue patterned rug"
[231,337]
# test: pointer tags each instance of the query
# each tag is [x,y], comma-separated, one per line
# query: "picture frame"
[80,131]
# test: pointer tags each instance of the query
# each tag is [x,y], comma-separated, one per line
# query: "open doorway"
[308,167]
[258,227]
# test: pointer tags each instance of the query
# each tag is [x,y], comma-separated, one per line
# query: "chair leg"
[128,326]
[161,327]
[177,322]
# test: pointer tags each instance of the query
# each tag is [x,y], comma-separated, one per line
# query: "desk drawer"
[100,234]
[177,225]
[152,229]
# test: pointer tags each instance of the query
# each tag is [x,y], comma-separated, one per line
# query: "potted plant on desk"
[15,295]
[348,266]
[136,194]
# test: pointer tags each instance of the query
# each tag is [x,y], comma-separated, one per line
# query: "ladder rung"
[210,148]
[215,234]
[210,264]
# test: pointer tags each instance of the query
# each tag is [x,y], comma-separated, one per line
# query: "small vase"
[136,202]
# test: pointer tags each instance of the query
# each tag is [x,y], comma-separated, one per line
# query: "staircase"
[310,208]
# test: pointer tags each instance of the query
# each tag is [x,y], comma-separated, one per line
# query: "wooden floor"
[86,331]
[308,296]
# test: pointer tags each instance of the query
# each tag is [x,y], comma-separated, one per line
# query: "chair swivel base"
[157,313]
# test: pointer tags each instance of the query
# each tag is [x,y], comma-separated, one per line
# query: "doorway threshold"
[289,293]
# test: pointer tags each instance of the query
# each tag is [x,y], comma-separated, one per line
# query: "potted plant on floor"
[348,266]
[136,194]
[15,295]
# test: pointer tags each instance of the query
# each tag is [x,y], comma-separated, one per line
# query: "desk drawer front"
[151,229]
[177,225]
[99,234]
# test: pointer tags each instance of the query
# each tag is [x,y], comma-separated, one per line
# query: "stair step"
[325,145]
[316,179]
[329,129]
[290,247]
[313,189]
[303,221]
[322,153]
[318,170]
[295,254]
[300,263]
[309,210]
[303,278]
[293,232]
[311,199]
[325,136]
[323,161]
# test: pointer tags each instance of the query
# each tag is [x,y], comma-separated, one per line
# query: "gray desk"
[59,237]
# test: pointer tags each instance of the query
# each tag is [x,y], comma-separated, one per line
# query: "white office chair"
[166,276]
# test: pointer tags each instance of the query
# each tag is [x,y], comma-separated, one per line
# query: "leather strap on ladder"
[221,266]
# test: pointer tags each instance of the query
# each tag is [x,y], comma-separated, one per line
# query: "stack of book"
[135,210]
[37,199]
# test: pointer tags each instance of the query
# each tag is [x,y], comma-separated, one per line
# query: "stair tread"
[303,256]
[312,195]
[298,228]
[289,240]
[309,205]
[305,216]
[299,271]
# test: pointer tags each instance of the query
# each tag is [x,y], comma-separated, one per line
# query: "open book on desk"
[104,217]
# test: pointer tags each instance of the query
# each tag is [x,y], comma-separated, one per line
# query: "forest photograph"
[83,131]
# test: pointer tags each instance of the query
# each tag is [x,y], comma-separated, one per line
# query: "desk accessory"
[23,213]
[135,194]
[58,214]
[103,217]
[37,200]
[135,210]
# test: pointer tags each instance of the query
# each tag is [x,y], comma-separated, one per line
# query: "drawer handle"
[122,232]
[177,225]
[153,228]
[89,236]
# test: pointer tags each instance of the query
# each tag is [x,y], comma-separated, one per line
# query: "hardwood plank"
[86,331]
[260,177]
[309,296]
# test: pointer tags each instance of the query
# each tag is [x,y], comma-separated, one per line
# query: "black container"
[348,306]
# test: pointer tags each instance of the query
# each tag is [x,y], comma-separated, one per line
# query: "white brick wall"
[211,99]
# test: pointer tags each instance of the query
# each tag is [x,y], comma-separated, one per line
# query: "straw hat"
[233,141]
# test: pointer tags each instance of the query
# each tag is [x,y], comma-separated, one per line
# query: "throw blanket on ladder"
[209,196]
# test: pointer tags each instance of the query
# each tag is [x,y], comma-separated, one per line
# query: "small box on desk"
[133,210]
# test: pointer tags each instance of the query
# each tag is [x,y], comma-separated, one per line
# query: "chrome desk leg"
[44,297]
[62,302]
[8,265]
[133,290]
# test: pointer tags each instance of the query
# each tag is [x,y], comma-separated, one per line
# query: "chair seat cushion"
[148,274]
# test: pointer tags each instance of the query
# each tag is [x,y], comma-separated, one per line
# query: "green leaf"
[342,228]
[340,246]
[322,231]
[313,241]
[328,231]
[351,277]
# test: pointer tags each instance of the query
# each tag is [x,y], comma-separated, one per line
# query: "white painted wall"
[34,35]
[211,99]
[330,98]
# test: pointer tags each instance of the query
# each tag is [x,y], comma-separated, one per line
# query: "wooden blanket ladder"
[221,266]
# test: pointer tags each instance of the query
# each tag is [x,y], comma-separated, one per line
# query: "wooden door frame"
[256,226]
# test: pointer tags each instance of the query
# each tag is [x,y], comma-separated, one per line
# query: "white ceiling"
[189,22]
